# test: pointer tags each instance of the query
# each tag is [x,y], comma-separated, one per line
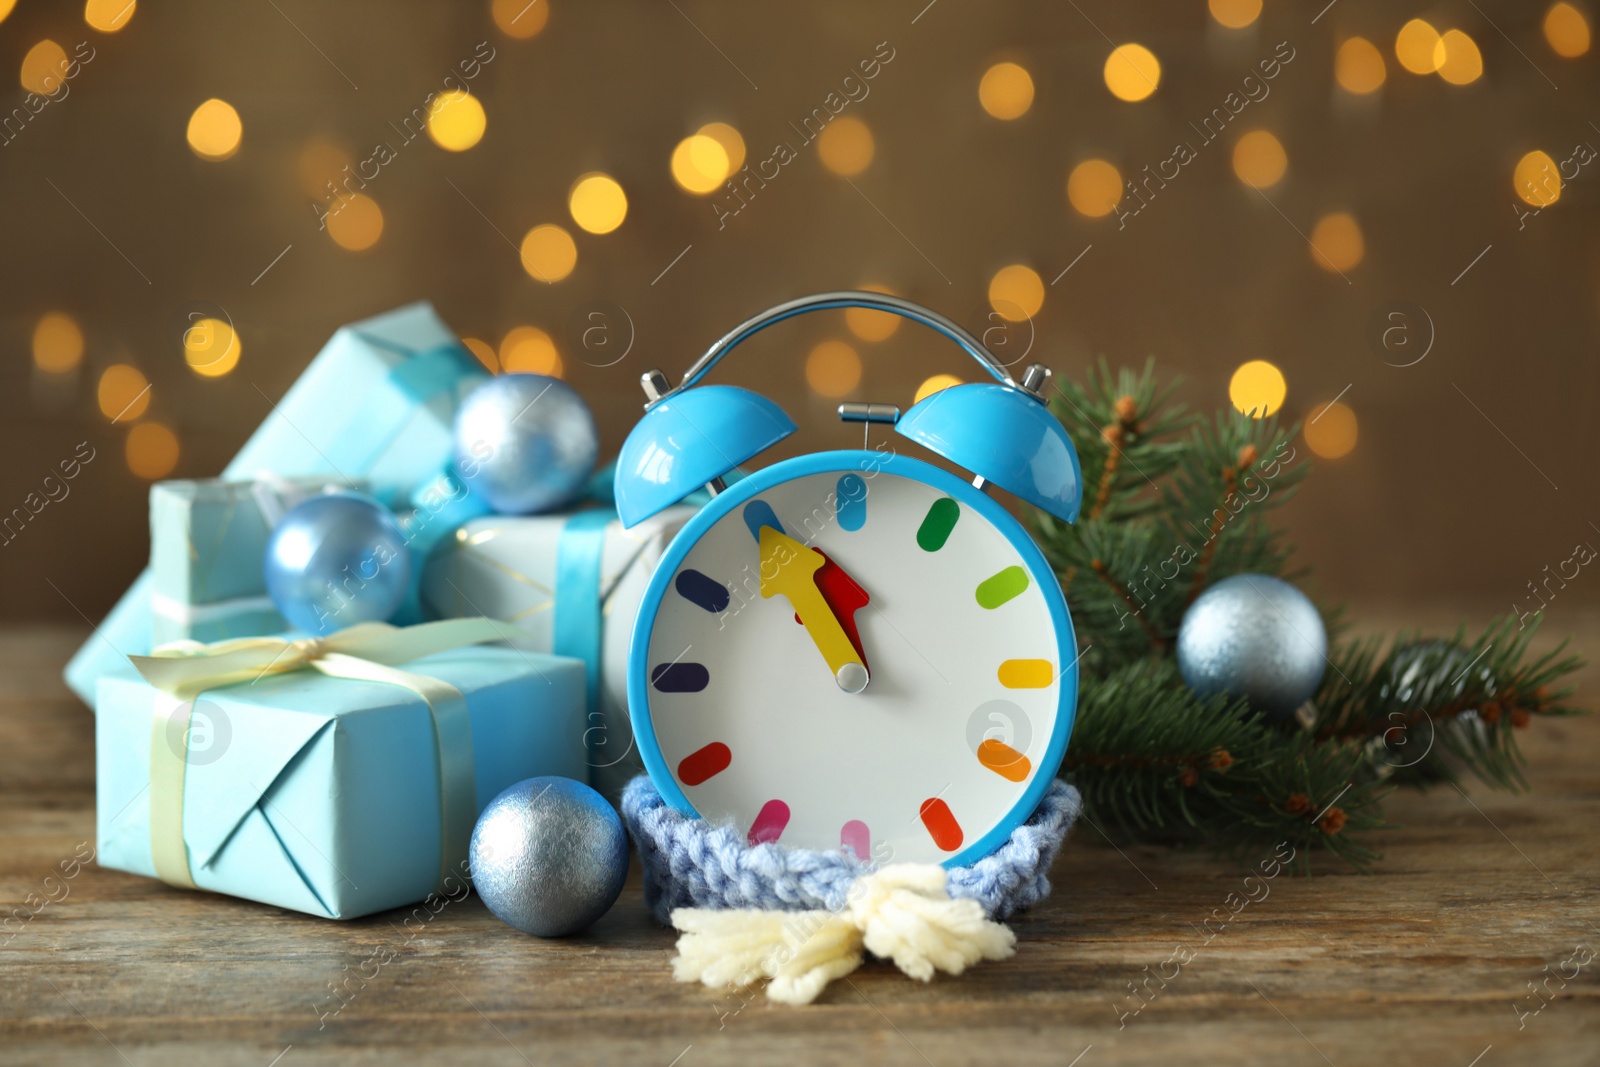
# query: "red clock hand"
[844,597]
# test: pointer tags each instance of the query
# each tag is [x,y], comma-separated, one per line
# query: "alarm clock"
[853,649]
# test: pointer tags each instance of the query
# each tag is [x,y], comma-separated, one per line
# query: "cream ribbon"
[367,652]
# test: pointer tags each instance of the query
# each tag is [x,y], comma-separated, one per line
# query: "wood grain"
[1423,962]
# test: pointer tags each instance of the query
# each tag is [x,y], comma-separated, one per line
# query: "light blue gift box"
[324,794]
[377,403]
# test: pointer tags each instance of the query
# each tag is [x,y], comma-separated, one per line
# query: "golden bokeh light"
[520,18]
[1332,432]
[1257,388]
[597,203]
[456,120]
[1359,66]
[151,451]
[44,67]
[700,164]
[730,140]
[548,254]
[1565,28]
[1094,188]
[355,223]
[1463,63]
[933,385]
[211,347]
[833,369]
[1132,72]
[320,161]
[529,350]
[1016,292]
[845,146]
[1336,242]
[123,393]
[1259,159]
[1006,91]
[872,325]
[108,16]
[214,130]
[1419,48]
[484,351]
[1235,14]
[5,8]
[1536,179]
[57,343]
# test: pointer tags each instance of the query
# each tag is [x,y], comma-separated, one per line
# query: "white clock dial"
[750,712]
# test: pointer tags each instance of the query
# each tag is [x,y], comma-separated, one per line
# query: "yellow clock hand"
[789,568]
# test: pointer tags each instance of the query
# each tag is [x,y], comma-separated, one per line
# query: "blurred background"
[1378,218]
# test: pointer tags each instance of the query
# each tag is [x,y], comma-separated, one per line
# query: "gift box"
[572,584]
[377,403]
[336,791]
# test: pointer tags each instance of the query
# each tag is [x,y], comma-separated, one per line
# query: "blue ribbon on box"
[578,621]
[420,378]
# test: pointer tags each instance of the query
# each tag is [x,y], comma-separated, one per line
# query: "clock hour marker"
[1026,673]
[702,590]
[857,838]
[1004,760]
[1001,586]
[941,824]
[707,763]
[852,502]
[759,513]
[680,677]
[937,524]
[770,821]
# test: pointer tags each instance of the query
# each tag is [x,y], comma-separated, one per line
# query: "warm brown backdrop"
[1435,502]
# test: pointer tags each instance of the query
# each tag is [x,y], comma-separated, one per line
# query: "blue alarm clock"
[853,649]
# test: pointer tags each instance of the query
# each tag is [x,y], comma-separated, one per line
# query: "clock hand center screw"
[852,678]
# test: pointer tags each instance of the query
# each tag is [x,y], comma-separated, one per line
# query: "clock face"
[904,688]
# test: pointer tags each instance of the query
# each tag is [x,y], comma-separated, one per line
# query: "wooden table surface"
[1429,961]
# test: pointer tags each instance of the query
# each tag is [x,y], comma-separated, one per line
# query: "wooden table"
[1426,962]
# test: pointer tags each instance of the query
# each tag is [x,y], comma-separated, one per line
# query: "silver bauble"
[335,560]
[549,856]
[1256,637]
[525,443]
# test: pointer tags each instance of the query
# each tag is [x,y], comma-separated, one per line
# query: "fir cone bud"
[1519,717]
[1490,713]
[1127,411]
[1247,456]
[1297,804]
[1332,822]
[1221,760]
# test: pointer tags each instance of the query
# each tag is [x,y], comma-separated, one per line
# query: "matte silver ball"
[549,856]
[1256,637]
[525,443]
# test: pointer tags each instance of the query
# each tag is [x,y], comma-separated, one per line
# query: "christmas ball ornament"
[1256,637]
[549,856]
[336,560]
[525,443]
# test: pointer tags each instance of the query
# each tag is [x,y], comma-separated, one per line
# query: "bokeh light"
[484,352]
[933,385]
[1536,179]
[5,8]
[1094,188]
[1235,14]
[529,350]
[57,343]
[44,67]
[123,393]
[1332,432]
[730,140]
[833,369]
[1259,159]
[700,164]
[1006,91]
[211,347]
[151,451]
[597,203]
[355,223]
[872,325]
[1463,63]
[1566,30]
[548,254]
[520,18]
[845,146]
[456,120]
[1016,293]
[321,160]
[108,16]
[1132,72]
[1257,388]
[1359,66]
[1419,48]
[214,130]
[1336,242]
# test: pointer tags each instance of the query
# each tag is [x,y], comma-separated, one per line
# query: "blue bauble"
[525,443]
[336,560]
[1256,637]
[549,856]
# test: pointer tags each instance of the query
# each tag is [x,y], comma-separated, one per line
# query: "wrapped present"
[377,403]
[572,583]
[337,776]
